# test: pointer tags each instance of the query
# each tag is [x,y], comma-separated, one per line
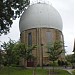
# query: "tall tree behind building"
[9,11]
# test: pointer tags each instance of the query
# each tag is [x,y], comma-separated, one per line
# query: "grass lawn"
[61,72]
[20,71]
[74,72]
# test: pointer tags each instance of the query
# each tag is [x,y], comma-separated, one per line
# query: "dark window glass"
[29,39]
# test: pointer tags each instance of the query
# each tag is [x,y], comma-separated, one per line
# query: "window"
[49,37]
[30,42]
[29,39]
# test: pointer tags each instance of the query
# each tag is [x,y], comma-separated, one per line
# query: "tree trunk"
[34,71]
[25,63]
[53,66]
[34,68]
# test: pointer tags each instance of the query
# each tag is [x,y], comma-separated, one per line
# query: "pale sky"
[66,10]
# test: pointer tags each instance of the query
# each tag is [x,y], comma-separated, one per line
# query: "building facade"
[40,24]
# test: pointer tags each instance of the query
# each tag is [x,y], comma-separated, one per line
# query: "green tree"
[9,11]
[71,58]
[9,54]
[1,58]
[24,52]
[54,50]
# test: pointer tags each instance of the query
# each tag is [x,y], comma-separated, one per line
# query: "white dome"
[40,15]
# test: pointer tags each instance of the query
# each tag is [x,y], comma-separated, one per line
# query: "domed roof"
[40,15]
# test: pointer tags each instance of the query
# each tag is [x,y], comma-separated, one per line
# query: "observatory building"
[40,23]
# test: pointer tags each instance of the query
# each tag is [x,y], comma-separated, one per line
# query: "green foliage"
[71,58]
[16,50]
[53,64]
[24,52]
[9,56]
[9,11]
[62,63]
[1,57]
[54,50]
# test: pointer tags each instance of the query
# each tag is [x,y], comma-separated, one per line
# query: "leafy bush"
[53,64]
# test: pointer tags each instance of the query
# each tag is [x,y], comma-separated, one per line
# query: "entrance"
[30,63]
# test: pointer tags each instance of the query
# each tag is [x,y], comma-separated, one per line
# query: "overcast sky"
[66,10]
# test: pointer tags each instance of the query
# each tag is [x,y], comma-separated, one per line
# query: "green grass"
[15,71]
[61,72]
[74,72]
[42,72]
[20,71]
